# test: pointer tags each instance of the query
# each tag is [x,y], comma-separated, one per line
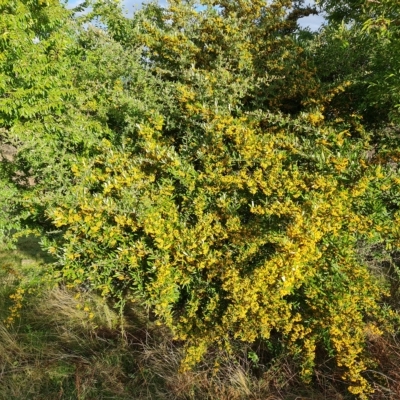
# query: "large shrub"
[224,186]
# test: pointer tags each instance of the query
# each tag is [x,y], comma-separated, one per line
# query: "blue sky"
[313,21]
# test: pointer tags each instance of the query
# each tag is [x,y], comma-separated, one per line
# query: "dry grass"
[57,347]
[55,350]
[386,375]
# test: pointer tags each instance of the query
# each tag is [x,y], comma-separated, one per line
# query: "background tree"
[61,91]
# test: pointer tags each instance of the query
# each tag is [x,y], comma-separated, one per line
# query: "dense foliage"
[215,161]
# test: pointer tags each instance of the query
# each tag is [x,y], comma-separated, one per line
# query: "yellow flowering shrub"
[226,189]
[251,236]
